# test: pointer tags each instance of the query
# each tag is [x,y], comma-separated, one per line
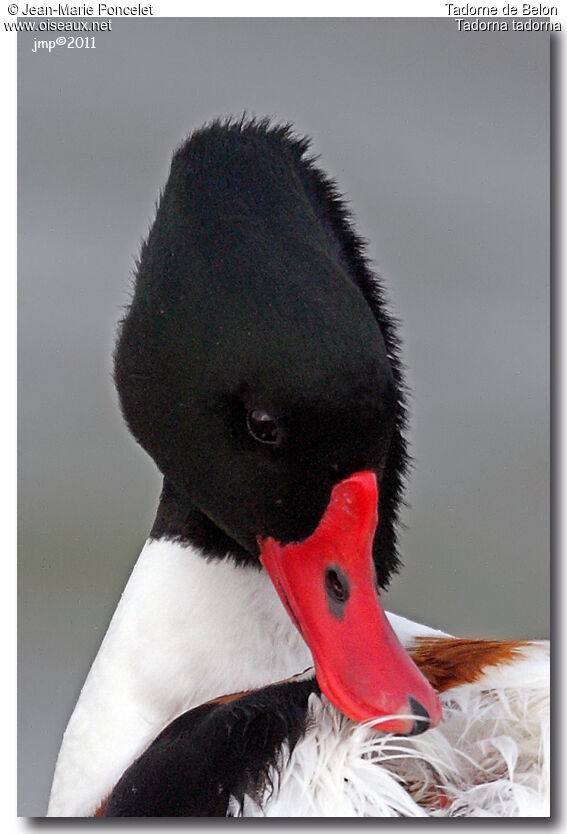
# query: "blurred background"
[440,140]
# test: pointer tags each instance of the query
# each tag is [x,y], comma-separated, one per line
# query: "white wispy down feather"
[489,757]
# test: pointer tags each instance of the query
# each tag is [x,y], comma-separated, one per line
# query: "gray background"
[440,140]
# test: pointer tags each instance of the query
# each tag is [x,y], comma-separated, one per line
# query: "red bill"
[327,583]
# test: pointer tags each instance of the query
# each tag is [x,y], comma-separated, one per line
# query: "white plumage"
[188,629]
[488,758]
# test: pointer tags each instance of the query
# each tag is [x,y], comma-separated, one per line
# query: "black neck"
[177,519]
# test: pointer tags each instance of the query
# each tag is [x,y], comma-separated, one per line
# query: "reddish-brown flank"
[100,810]
[447,662]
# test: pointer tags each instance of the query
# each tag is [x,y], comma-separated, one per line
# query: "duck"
[249,664]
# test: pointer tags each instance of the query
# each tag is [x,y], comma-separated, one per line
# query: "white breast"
[185,630]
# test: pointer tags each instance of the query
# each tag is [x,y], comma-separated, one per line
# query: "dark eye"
[263,427]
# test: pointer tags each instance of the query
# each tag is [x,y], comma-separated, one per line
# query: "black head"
[256,363]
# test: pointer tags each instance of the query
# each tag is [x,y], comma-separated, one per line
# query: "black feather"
[213,753]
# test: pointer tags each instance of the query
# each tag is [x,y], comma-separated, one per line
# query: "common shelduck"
[249,668]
